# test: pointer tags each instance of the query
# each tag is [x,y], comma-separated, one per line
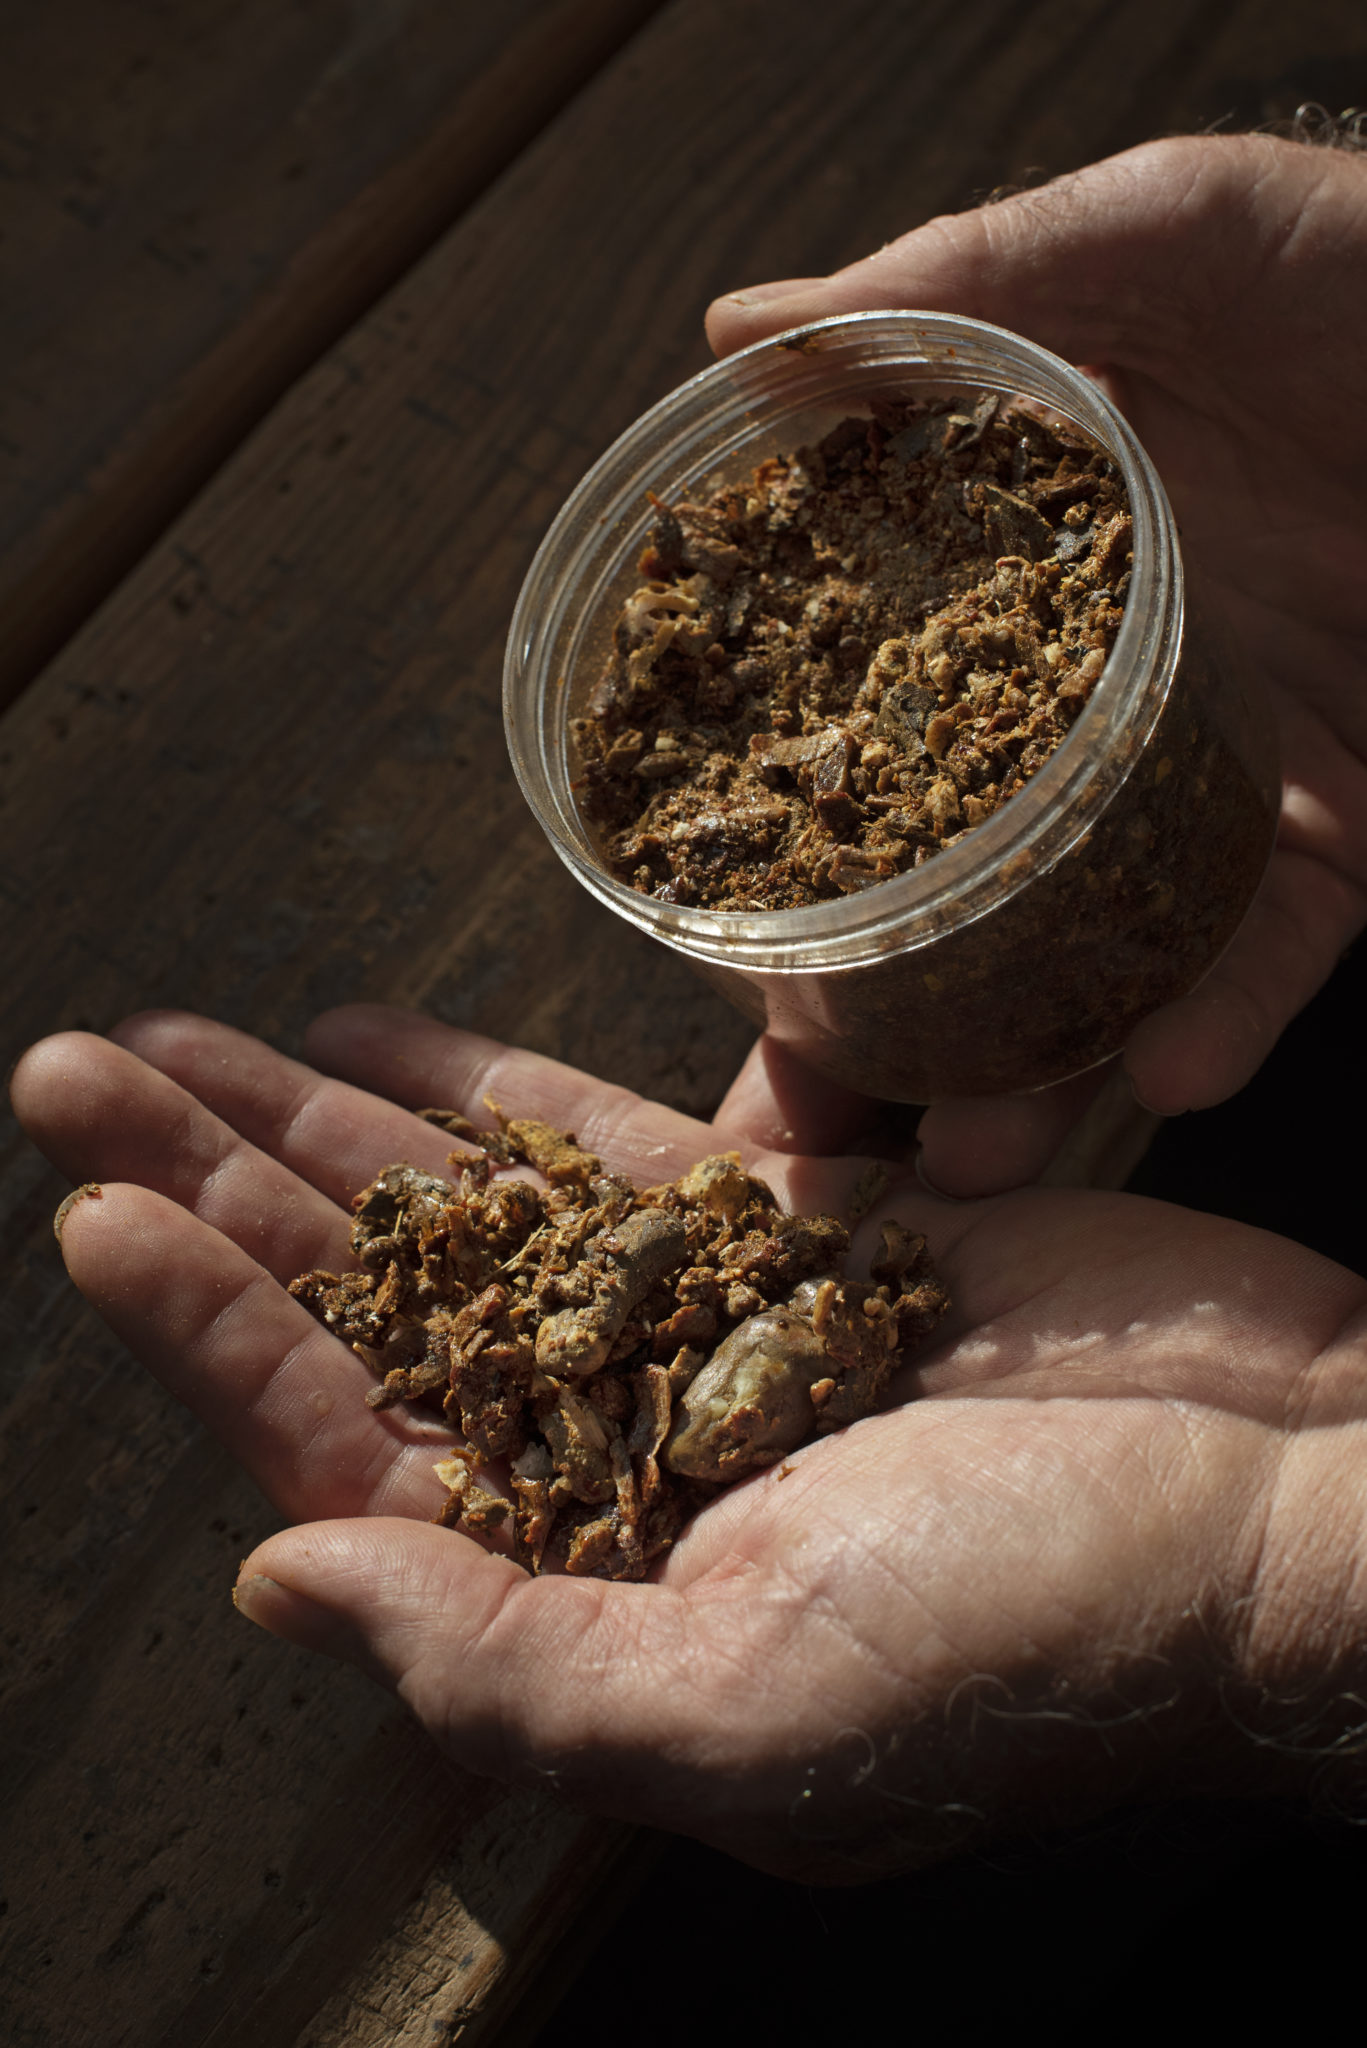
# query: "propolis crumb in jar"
[768,708]
[839,666]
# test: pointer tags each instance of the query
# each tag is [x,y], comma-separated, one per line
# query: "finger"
[417,1061]
[733,305]
[1199,1050]
[337,1136]
[976,1145]
[1311,906]
[777,1102]
[1086,264]
[400,1053]
[101,1114]
[225,1339]
[334,1137]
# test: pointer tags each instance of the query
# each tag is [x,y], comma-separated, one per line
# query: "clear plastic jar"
[1027,951]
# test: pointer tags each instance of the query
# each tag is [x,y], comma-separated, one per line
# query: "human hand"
[1122,1520]
[1218,286]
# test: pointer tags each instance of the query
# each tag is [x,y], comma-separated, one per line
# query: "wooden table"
[311,316]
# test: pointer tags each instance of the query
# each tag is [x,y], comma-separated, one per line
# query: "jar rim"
[737,404]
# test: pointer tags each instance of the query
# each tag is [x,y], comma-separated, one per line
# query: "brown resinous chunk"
[609,1355]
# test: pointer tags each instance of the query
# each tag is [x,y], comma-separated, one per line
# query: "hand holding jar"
[1217,285]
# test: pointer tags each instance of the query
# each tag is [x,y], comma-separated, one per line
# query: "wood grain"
[196,202]
[269,776]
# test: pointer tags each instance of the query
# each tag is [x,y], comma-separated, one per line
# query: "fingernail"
[89,1190]
[283,1612]
[252,1597]
[763,294]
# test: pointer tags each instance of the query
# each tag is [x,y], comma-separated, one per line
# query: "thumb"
[1098,265]
[369,1591]
[505,1671]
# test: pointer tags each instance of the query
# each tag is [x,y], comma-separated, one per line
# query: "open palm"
[1219,286]
[1117,1525]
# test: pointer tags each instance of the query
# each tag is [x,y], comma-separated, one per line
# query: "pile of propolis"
[613,1354]
[836,668]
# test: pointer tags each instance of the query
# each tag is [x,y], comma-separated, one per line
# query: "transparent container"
[1105,887]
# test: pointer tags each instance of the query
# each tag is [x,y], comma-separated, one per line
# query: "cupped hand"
[1108,1539]
[1219,286]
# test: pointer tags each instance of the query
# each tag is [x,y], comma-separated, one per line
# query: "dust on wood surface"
[196,202]
[269,776]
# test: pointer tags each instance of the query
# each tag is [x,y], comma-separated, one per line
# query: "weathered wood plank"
[313,1803]
[269,775]
[440,1972]
[196,202]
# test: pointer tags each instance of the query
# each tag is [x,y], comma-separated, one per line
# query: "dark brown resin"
[838,668]
[611,1356]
